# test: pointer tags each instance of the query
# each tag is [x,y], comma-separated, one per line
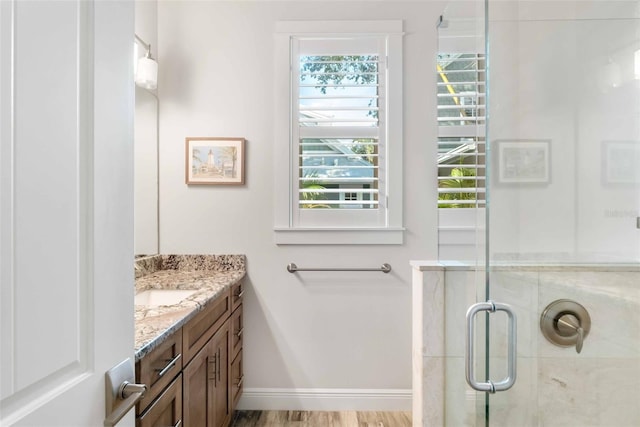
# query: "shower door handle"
[505,383]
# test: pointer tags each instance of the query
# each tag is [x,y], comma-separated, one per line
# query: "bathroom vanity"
[188,316]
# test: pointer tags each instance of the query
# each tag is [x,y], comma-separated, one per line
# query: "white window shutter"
[461,129]
[338,130]
[338,118]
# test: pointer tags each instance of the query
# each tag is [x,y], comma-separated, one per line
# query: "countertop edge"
[160,338]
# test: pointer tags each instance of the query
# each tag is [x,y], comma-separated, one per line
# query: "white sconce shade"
[636,65]
[147,73]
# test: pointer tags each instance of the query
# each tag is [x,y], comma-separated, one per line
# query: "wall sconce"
[147,69]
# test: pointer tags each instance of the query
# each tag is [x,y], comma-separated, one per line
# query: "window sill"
[339,236]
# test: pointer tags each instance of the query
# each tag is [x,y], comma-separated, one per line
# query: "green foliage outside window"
[459,178]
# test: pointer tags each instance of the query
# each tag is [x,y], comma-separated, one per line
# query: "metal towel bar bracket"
[292,268]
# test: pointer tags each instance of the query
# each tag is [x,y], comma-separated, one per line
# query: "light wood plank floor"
[320,419]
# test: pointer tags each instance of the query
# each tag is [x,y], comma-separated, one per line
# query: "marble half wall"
[556,386]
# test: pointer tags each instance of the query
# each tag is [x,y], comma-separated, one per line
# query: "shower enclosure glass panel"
[461,84]
[563,201]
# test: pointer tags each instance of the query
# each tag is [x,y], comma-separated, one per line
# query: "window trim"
[285,231]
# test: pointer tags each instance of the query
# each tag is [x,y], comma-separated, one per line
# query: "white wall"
[146,140]
[310,330]
[147,23]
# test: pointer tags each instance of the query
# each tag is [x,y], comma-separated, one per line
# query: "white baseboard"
[315,399]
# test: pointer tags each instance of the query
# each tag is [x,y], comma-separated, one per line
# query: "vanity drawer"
[236,380]
[166,410]
[158,368]
[237,291]
[236,332]
[198,330]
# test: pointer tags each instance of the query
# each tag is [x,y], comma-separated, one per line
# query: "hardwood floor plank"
[320,419]
[348,418]
[275,419]
[246,418]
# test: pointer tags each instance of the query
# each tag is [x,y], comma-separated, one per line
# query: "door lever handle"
[127,389]
[121,394]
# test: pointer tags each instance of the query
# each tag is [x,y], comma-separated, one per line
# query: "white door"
[66,207]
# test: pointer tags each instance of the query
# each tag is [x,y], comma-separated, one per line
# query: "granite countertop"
[210,275]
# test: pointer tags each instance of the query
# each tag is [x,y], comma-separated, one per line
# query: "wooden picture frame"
[523,162]
[214,161]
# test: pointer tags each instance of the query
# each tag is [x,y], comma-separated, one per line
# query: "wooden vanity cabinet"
[204,360]
[237,330]
[197,331]
[167,409]
[236,380]
[236,376]
[205,384]
[237,291]
[158,368]
[236,373]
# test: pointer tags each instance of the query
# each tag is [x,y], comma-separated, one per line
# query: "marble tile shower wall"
[556,386]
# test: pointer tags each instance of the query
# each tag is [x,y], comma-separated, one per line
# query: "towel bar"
[385,268]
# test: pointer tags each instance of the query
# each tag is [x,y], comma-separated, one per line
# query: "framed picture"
[621,162]
[523,161]
[214,161]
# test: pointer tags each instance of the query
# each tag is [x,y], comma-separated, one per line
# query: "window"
[342,129]
[461,122]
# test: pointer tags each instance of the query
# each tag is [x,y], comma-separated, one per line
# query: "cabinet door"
[206,394]
[198,382]
[202,327]
[166,410]
[221,407]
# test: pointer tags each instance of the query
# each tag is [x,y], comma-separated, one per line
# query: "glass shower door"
[563,209]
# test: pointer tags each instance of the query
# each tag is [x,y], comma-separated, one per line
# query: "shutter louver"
[461,125]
